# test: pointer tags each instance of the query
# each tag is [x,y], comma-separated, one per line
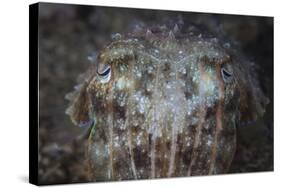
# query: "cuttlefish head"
[149,96]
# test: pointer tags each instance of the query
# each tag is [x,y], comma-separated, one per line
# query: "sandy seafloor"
[69,34]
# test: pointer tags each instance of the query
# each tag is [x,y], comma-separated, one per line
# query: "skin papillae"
[162,103]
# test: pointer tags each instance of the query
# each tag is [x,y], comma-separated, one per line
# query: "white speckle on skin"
[116,36]
[209,142]
[116,142]
[138,142]
[139,74]
[172,74]
[156,51]
[150,69]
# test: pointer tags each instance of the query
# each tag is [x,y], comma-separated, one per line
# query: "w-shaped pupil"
[105,72]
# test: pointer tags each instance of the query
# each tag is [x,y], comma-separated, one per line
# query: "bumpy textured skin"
[167,110]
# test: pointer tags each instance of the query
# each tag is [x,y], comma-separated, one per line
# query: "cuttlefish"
[161,103]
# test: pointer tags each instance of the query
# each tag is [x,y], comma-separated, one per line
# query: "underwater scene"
[128,94]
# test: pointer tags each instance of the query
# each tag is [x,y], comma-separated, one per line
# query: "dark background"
[68,34]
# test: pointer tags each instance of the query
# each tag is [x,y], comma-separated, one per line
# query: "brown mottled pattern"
[166,110]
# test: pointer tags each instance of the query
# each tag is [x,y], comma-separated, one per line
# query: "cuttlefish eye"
[227,76]
[104,73]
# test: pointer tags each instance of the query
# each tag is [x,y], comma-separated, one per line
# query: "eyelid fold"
[227,76]
[104,73]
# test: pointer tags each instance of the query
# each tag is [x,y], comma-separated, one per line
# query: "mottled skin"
[164,104]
